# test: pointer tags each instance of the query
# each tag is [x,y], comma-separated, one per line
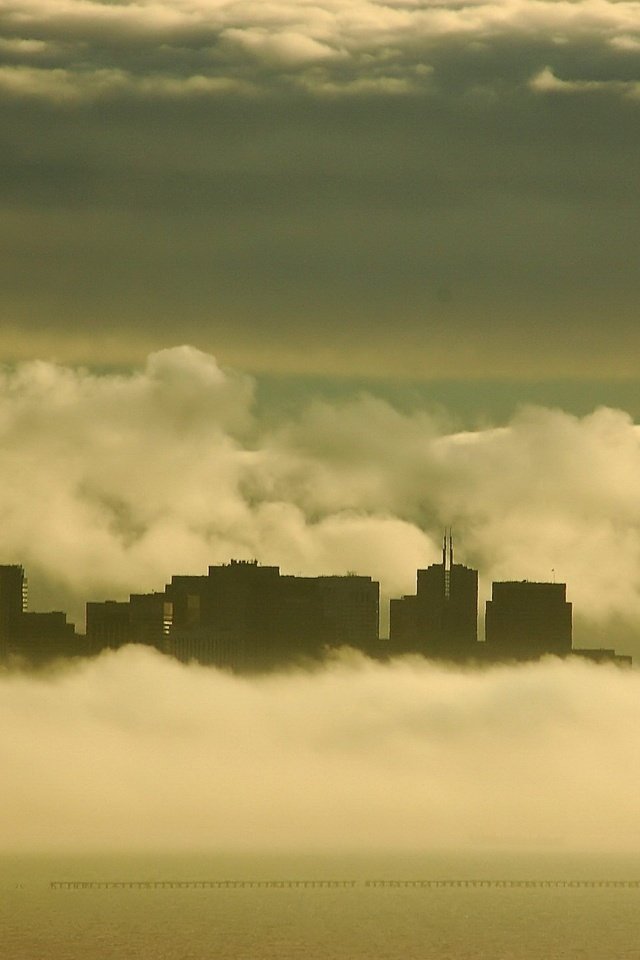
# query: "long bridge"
[315,884]
[192,884]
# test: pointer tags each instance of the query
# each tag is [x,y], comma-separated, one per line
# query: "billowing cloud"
[318,47]
[112,483]
[134,751]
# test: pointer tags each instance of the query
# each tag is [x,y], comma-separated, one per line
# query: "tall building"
[150,618]
[143,618]
[247,616]
[441,619]
[527,620]
[107,624]
[13,602]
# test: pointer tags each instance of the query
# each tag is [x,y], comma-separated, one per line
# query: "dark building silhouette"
[351,609]
[247,616]
[107,624]
[41,637]
[526,620]
[143,618]
[441,620]
[150,618]
[603,655]
[31,637]
[13,602]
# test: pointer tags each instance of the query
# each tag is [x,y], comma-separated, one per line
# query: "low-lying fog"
[136,751]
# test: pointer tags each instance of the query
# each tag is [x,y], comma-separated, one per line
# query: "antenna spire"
[451,546]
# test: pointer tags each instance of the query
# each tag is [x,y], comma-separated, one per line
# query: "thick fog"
[112,483]
[134,750]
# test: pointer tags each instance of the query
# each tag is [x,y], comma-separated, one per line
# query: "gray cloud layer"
[134,751]
[111,483]
[71,51]
[408,190]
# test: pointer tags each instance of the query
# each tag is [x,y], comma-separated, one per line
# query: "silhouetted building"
[144,618]
[602,655]
[107,624]
[351,607]
[250,617]
[150,618]
[42,637]
[527,620]
[207,646]
[13,602]
[31,637]
[441,619]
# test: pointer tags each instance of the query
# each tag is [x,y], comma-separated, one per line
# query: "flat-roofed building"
[526,620]
[13,602]
[252,617]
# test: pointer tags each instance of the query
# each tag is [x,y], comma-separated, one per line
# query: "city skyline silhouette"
[251,618]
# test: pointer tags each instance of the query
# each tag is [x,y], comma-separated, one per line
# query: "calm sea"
[37,922]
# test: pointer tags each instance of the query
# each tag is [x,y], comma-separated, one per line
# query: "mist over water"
[133,751]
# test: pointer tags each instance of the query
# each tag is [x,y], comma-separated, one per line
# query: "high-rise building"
[526,620]
[150,618]
[107,624]
[251,617]
[143,618]
[441,619]
[13,602]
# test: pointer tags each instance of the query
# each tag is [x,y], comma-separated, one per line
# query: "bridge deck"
[288,884]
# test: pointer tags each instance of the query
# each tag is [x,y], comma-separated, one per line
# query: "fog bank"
[135,751]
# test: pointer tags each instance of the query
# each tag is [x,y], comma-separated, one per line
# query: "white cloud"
[110,484]
[547,82]
[284,48]
[68,87]
[137,751]
[244,38]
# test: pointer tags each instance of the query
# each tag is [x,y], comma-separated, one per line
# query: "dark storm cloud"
[287,181]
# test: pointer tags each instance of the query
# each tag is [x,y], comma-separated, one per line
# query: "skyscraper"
[13,601]
[441,619]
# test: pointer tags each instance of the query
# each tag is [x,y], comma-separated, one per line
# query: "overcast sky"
[435,201]
[276,276]
[408,190]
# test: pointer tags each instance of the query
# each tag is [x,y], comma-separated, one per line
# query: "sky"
[312,280]
[309,282]
[405,191]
